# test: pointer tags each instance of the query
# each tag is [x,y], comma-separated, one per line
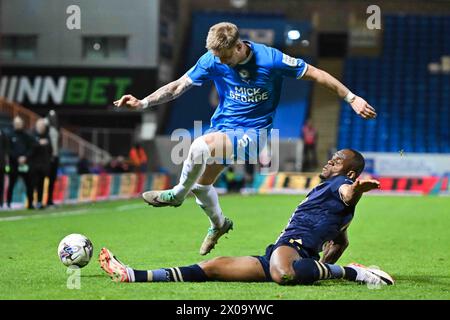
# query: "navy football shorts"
[265,259]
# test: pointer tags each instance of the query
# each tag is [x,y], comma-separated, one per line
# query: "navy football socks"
[191,273]
[308,271]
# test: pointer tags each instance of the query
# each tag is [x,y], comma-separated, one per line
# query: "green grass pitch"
[406,236]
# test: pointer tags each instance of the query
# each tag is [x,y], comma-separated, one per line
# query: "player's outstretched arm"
[351,194]
[164,94]
[334,249]
[359,105]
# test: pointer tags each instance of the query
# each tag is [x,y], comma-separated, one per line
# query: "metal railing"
[69,140]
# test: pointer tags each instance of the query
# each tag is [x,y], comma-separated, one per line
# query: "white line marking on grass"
[13,218]
[127,207]
[80,211]
[53,214]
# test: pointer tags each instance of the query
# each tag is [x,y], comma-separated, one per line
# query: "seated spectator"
[123,164]
[83,166]
[99,168]
[233,182]
[249,174]
[138,159]
[117,165]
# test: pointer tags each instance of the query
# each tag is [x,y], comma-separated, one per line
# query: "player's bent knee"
[283,277]
[199,150]
[208,139]
[212,267]
[207,268]
[218,143]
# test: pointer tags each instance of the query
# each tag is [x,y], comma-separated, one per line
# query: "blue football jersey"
[320,217]
[249,92]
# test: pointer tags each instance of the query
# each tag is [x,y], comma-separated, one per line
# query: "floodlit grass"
[406,236]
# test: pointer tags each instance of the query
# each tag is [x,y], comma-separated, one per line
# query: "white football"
[75,250]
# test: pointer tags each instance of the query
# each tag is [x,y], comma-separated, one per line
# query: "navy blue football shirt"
[320,217]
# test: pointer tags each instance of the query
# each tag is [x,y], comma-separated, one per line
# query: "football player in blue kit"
[319,223]
[248,78]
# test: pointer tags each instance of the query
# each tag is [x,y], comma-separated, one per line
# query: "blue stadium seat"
[412,104]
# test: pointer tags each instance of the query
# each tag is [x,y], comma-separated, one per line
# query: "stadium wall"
[59,45]
[76,189]
[407,164]
[72,189]
[301,183]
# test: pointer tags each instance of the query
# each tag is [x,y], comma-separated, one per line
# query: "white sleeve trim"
[304,71]
[197,84]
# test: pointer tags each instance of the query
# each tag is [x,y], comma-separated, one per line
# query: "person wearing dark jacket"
[20,145]
[53,131]
[40,159]
[3,161]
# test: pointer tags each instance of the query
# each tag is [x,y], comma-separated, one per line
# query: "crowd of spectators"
[137,162]
[31,156]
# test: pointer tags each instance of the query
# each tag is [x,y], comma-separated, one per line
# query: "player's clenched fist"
[129,101]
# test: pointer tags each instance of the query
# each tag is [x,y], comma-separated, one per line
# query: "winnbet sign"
[63,90]
[73,88]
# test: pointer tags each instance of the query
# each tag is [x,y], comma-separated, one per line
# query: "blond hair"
[223,35]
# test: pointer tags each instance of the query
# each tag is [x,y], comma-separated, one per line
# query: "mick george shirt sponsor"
[253,95]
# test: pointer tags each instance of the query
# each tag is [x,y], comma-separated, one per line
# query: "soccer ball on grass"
[75,250]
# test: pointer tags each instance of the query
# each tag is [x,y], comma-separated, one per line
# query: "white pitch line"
[133,206]
[53,214]
[71,213]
